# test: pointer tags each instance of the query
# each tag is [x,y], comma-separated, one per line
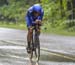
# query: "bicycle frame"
[35,44]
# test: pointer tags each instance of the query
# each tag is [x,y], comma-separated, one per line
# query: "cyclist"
[34,16]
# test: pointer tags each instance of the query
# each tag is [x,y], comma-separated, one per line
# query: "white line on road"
[57,53]
[12,47]
[22,47]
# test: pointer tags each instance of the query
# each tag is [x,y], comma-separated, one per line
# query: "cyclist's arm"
[39,19]
[29,19]
[41,15]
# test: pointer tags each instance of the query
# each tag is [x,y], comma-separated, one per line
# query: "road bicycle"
[35,45]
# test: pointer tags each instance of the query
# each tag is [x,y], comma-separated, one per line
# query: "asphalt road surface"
[55,49]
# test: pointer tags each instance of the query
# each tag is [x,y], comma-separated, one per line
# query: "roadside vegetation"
[59,15]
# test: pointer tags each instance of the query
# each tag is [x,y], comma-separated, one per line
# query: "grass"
[45,29]
[14,26]
[59,31]
[62,32]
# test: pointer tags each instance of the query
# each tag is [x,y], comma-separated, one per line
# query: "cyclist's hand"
[38,22]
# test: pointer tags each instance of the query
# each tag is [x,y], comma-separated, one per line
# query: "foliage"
[56,13]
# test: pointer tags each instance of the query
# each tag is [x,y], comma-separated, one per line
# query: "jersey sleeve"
[28,21]
[41,16]
[29,17]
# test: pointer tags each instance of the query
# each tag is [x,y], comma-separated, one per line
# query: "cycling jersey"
[30,18]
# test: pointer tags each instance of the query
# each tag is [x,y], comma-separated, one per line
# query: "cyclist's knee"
[29,34]
[30,30]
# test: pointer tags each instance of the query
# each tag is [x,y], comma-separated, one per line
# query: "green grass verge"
[49,30]
[58,31]
[14,26]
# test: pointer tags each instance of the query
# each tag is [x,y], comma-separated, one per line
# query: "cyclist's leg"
[29,38]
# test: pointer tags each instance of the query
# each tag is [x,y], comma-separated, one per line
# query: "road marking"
[44,49]
[56,54]
[12,47]
[17,57]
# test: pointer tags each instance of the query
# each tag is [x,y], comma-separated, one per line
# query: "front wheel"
[37,48]
[30,55]
[37,53]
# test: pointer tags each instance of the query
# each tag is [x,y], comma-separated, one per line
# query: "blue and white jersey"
[30,18]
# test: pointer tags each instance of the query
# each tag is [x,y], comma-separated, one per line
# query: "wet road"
[55,49]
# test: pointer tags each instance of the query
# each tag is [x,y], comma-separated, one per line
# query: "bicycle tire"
[35,43]
[37,47]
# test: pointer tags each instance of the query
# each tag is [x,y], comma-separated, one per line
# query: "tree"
[61,8]
[39,1]
[3,2]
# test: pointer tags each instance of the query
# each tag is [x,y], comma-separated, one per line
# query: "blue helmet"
[37,8]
